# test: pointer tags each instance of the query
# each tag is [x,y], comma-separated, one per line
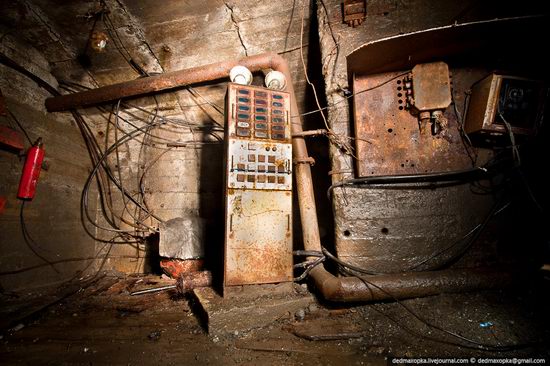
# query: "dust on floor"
[102,324]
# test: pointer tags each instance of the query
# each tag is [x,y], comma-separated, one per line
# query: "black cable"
[472,343]
[333,258]
[176,122]
[308,268]
[470,150]
[346,97]
[349,269]
[91,144]
[476,231]
[30,241]
[21,127]
[459,176]
[308,253]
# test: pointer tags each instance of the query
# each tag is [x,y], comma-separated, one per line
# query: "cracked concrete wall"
[161,37]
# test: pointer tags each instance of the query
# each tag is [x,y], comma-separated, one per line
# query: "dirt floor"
[97,322]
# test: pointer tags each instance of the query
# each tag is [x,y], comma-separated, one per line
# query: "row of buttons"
[261,158]
[260,134]
[244,105]
[259,94]
[261,168]
[261,178]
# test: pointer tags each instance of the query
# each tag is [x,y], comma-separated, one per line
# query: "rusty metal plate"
[258,237]
[388,138]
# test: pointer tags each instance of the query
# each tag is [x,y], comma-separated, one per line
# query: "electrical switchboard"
[258,186]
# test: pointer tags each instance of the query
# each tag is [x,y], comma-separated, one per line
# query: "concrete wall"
[56,247]
[394,229]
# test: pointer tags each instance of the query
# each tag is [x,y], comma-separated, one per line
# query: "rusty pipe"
[407,285]
[331,287]
[184,283]
[188,281]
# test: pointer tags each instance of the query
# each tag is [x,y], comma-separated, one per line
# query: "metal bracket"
[309,160]
[318,132]
[354,11]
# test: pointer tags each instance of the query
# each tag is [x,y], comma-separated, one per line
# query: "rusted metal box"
[431,85]
[519,100]
[258,186]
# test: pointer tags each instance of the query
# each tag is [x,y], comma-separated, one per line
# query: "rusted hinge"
[354,11]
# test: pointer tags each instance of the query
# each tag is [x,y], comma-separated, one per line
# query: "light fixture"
[275,80]
[98,41]
[240,75]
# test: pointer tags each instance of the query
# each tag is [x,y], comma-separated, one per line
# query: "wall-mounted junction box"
[519,100]
[258,186]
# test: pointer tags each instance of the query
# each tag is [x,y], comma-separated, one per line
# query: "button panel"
[259,154]
[254,167]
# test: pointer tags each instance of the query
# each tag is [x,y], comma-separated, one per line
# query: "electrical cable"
[90,142]
[468,146]
[351,270]
[308,268]
[132,136]
[472,344]
[449,176]
[517,160]
[119,170]
[346,97]
[21,127]
[30,241]
[476,231]
[99,164]
[176,122]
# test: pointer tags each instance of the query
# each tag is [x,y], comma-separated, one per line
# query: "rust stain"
[388,136]
[260,250]
[177,267]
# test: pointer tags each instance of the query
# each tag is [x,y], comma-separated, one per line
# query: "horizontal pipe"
[188,281]
[407,285]
[162,82]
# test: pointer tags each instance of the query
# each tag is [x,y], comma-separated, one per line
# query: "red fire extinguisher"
[31,171]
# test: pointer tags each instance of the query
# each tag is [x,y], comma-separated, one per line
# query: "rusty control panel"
[258,199]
